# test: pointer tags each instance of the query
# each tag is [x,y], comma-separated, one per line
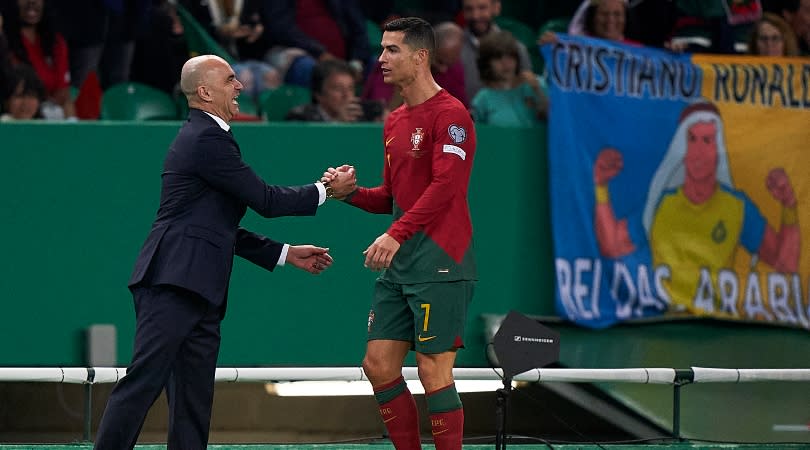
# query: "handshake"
[339,182]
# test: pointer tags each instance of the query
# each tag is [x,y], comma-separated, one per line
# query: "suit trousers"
[177,339]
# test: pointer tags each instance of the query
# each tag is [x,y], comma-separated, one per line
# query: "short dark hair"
[325,69]
[418,33]
[590,17]
[493,46]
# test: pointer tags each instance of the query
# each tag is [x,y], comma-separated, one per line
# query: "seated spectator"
[237,26]
[714,26]
[603,19]
[101,36]
[508,97]
[772,36]
[479,17]
[160,44]
[797,14]
[33,40]
[446,67]
[24,94]
[325,29]
[333,97]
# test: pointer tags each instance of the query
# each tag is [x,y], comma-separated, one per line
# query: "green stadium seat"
[374,37]
[136,101]
[274,104]
[557,25]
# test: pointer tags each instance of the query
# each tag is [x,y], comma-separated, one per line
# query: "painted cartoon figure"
[694,218]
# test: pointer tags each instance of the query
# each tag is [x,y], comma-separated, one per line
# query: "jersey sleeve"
[452,149]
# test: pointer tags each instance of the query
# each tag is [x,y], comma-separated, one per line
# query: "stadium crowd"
[317,59]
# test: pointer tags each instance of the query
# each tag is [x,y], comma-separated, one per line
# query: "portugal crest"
[416,138]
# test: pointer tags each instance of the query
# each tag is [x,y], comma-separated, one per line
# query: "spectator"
[5,59]
[604,19]
[772,36]
[23,96]
[479,16]
[507,98]
[446,67]
[33,40]
[333,97]
[714,26]
[101,36]
[797,14]
[325,29]
[161,44]
[237,26]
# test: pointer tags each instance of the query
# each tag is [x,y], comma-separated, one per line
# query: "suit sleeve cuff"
[321,194]
[282,258]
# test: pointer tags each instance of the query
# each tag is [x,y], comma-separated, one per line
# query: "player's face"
[478,14]
[224,88]
[701,150]
[397,60]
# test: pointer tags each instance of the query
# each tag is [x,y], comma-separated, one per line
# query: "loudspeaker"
[523,344]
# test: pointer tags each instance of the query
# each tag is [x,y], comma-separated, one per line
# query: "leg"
[164,317]
[389,331]
[83,60]
[441,312]
[190,389]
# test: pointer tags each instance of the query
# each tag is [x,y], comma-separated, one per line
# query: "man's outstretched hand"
[309,258]
[342,180]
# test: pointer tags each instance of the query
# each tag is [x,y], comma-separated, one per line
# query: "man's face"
[336,93]
[223,88]
[701,151]
[479,14]
[397,60]
[800,20]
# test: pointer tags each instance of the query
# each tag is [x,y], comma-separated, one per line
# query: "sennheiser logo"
[532,339]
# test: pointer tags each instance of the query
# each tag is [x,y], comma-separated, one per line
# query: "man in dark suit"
[180,280]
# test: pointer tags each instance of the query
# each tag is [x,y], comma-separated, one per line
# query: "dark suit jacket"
[205,192]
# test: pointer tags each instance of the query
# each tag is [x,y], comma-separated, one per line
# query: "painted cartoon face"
[701,150]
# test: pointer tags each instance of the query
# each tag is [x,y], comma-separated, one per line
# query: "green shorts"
[431,316]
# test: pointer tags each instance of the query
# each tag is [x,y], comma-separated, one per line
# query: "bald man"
[180,281]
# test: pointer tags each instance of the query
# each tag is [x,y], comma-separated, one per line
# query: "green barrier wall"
[79,200]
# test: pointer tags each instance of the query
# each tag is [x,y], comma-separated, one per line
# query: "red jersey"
[429,151]
[54,72]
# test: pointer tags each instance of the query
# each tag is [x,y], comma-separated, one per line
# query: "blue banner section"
[663,202]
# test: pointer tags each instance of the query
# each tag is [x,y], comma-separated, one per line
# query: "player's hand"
[779,186]
[608,164]
[342,180]
[380,253]
[309,258]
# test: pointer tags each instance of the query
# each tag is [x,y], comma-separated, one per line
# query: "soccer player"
[426,255]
